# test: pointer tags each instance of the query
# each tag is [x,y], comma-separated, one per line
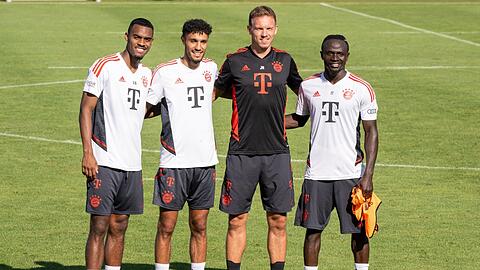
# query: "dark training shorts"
[175,186]
[317,201]
[115,191]
[272,172]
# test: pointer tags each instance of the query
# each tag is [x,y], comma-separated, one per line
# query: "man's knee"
[118,225]
[237,222]
[277,222]
[98,226]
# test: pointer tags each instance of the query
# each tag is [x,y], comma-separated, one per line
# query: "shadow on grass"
[134,266]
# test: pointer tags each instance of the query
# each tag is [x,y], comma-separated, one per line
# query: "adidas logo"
[245,68]
[178,81]
[317,94]
[121,79]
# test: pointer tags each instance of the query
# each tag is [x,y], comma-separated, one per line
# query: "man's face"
[195,46]
[139,41]
[263,30]
[335,56]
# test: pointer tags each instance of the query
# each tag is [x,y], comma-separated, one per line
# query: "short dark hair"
[335,37]
[261,11]
[140,21]
[196,26]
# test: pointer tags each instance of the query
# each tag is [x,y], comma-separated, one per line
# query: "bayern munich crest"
[277,66]
[207,75]
[167,197]
[145,81]
[348,93]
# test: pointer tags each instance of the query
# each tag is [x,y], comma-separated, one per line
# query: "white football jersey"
[335,111]
[118,116]
[185,97]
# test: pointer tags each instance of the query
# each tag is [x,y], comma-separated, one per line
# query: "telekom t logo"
[197,95]
[263,83]
[134,97]
[331,110]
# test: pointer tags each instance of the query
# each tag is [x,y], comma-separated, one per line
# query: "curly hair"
[196,26]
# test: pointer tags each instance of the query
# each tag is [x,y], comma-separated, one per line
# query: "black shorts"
[115,191]
[175,186]
[317,201]
[243,173]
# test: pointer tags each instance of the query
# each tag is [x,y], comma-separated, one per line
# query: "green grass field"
[423,59]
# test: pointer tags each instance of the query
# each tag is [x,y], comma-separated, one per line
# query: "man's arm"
[89,163]
[294,120]
[371,148]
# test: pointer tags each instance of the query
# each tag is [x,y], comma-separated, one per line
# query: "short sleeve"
[294,80]
[224,79]
[155,91]
[302,106]
[368,105]
[94,84]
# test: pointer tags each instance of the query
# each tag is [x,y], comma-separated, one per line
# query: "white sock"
[310,267]
[198,266]
[361,266]
[162,266]
[108,267]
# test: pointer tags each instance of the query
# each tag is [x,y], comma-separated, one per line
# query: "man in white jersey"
[183,89]
[337,102]
[111,118]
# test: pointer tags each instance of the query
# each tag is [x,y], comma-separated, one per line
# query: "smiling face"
[335,55]
[195,48]
[262,30]
[139,40]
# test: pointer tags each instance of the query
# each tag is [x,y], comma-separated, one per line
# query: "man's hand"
[89,166]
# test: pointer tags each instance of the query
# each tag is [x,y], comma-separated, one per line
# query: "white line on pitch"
[352,67]
[399,68]
[39,84]
[416,32]
[400,24]
[223,156]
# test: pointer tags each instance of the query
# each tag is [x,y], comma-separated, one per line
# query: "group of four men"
[120,92]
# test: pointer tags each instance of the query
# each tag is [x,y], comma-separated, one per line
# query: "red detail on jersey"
[245,68]
[207,75]
[95,201]
[348,93]
[290,184]
[317,94]
[234,132]
[306,198]
[167,197]
[277,66]
[285,121]
[226,199]
[170,181]
[169,63]
[97,183]
[178,81]
[206,60]
[101,63]
[243,49]
[314,76]
[100,143]
[228,185]
[122,79]
[145,81]
[263,84]
[214,176]
[365,83]
[168,147]
[305,215]
[278,50]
